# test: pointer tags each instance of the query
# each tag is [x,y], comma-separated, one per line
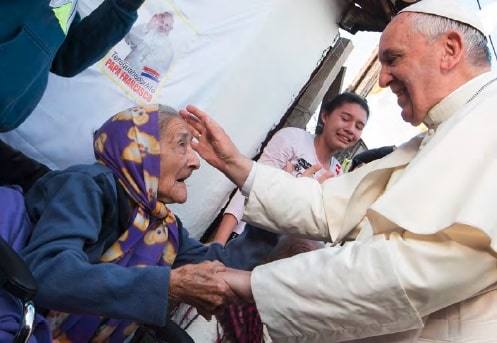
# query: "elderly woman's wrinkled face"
[177,162]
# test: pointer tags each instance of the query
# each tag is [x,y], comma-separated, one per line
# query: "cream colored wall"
[258,90]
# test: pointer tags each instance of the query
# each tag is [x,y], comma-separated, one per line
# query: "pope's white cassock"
[422,265]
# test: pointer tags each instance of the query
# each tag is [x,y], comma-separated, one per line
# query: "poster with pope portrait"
[173,41]
[141,63]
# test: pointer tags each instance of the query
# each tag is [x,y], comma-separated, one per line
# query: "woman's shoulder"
[292,136]
[88,169]
[296,137]
[292,131]
[84,175]
[81,171]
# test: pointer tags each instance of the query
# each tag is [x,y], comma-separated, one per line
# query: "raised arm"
[225,228]
[216,147]
[90,38]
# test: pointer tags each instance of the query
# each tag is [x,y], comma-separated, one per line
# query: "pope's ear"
[453,50]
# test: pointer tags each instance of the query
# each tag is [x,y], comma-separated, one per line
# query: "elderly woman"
[107,252]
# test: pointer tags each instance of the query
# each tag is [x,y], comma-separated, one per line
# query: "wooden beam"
[325,76]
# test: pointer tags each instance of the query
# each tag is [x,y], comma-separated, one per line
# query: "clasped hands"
[209,286]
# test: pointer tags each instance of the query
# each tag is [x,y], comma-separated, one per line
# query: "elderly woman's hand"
[202,286]
[215,146]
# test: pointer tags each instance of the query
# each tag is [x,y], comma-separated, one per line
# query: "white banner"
[243,61]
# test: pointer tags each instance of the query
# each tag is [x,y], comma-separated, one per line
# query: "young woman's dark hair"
[337,101]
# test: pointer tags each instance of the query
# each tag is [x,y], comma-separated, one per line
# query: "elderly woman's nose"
[193,161]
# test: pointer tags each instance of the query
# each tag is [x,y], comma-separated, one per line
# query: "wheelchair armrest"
[15,275]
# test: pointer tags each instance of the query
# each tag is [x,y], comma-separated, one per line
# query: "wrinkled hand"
[215,146]
[213,143]
[202,286]
[310,172]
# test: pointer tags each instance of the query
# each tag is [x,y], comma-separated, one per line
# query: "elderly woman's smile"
[178,161]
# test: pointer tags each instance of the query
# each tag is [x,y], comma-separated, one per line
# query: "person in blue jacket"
[38,37]
[106,251]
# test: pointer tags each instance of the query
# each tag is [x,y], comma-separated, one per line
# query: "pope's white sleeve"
[365,289]
[282,203]
[437,272]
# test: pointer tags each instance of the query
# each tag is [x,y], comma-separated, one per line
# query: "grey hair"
[433,26]
[166,113]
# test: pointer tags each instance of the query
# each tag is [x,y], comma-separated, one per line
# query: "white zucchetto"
[451,9]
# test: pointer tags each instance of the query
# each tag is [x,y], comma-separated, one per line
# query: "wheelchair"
[17,280]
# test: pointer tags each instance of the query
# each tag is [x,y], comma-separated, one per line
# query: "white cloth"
[199,328]
[426,252]
[288,144]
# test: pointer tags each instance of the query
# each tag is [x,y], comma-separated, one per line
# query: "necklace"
[433,126]
[481,90]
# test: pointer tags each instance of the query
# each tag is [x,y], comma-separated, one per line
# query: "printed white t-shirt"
[288,144]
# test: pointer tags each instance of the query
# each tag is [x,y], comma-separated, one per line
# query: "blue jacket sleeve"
[71,213]
[63,253]
[89,39]
[245,252]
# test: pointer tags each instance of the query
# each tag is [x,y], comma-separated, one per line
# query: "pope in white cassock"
[421,262]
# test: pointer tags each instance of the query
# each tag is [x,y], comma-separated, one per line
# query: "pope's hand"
[215,146]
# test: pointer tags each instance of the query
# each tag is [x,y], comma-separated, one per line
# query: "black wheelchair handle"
[15,276]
